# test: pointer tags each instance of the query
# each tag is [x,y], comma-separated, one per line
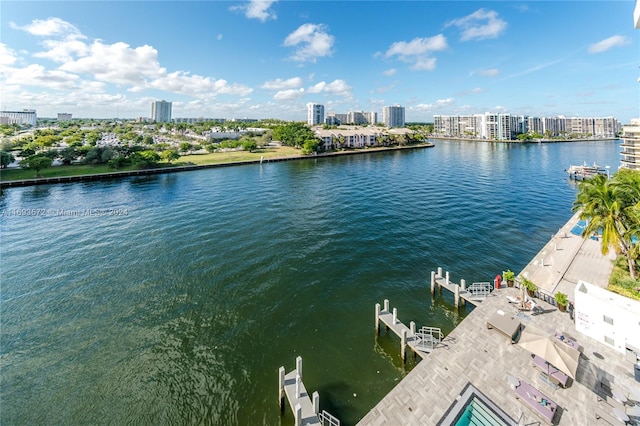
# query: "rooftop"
[474,354]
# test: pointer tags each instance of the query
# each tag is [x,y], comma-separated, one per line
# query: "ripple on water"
[182,311]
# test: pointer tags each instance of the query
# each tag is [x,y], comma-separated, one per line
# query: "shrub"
[561,299]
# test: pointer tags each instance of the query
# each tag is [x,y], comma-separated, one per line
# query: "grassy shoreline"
[79,172]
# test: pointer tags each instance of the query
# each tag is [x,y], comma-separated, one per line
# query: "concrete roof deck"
[485,358]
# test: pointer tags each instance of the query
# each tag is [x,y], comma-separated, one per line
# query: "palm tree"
[609,205]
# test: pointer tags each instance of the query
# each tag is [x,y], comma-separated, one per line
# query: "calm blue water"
[182,310]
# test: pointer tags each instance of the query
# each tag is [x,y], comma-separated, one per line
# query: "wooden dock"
[421,342]
[306,410]
[474,294]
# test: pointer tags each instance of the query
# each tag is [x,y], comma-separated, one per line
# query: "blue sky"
[267,59]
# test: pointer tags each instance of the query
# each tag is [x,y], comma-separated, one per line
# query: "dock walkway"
[421,342]
[306,410]
[473,294]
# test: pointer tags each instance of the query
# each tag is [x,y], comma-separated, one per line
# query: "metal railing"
[327,419]
[428,337]
[480,290]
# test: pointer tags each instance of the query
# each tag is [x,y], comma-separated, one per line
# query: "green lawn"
[214,158]
[234,156]
[58,171]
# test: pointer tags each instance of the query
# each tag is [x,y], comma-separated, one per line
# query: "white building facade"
[161,111]
[315,114]
[609,318]
[393,116]
[24,117]
[631,145]
[504,126]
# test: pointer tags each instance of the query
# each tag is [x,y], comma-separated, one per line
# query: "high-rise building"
[26,116]
[315,114]
[393,116]
[161,111]
[631,145]
[64,116]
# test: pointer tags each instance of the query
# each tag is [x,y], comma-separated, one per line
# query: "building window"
[608,340]
[607,319]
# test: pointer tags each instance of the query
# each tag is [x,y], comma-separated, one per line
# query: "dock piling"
[440,271]
[446,278]
[299,366]
[433,282]
[395,316]
[377,319]
[298,415]
[281,388]
[316,402]
[386,305]
[456,294]
[297,386]
[403,344]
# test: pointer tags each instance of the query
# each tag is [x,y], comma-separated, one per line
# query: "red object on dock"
[497,281]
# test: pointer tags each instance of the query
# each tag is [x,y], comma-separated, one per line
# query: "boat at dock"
[585,171]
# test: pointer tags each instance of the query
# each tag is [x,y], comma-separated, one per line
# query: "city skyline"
[430,57]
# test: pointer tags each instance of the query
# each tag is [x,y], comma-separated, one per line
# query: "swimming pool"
[473,408]
[579,227]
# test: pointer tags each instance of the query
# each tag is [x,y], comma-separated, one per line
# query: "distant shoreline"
[163,170]
[522,142]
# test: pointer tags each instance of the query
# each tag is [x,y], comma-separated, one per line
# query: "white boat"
[585,171]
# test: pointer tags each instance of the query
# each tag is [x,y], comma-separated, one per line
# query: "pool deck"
[486,358]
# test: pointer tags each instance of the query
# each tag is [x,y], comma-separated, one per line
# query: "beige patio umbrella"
[552,350]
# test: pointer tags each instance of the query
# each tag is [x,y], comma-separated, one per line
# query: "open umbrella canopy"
[552,350]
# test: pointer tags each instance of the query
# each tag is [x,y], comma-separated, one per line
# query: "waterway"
[173,299]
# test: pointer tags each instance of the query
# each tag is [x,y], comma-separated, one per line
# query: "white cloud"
[336,87]
[417,46]
[7,56]
[609,43]
[63,50]
[417,51]
[479,25]
[257,9]
[290,94]
[477,90]
[196,85]
[314,40]
[86,70]
[279,84]
[49,27]
[37,75]
[219,37]
[440,103]
[118,63]
[390,72]
[424,64]
[489,72]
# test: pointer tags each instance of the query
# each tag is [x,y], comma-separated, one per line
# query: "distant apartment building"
[352,117]
[504,126]
[64,116]
[393,116]
[315,114]
[535,125]
[161,111]
[24,117]
[631,145]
